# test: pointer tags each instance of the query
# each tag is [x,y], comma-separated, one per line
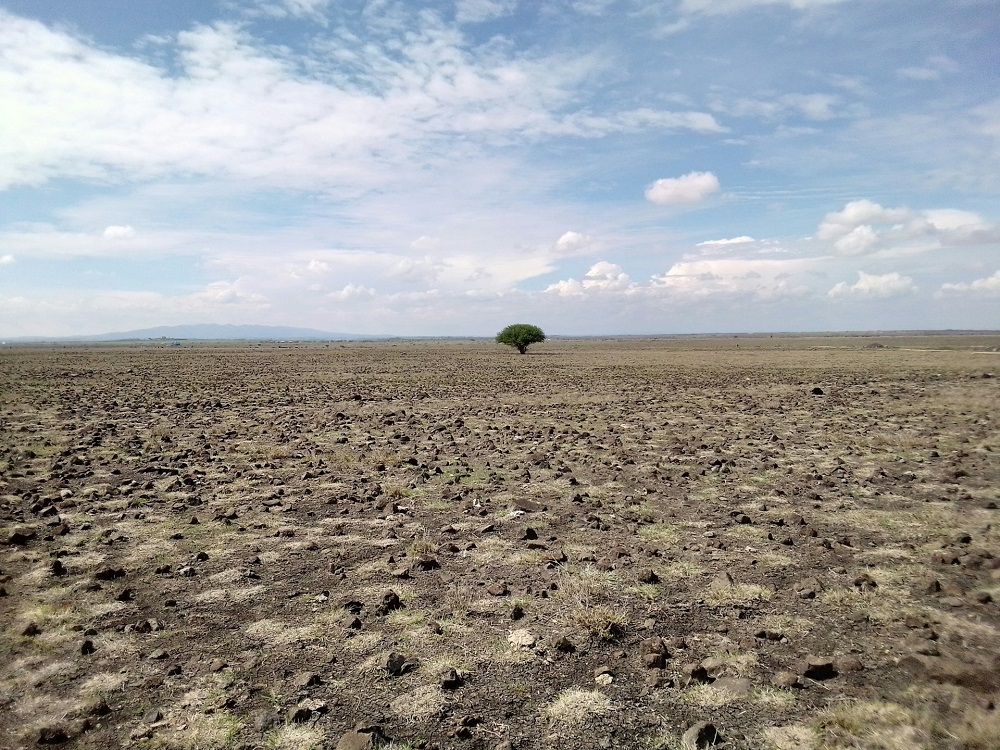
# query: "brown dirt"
[596,545]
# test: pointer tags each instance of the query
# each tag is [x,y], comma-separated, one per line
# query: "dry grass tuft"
[575,706]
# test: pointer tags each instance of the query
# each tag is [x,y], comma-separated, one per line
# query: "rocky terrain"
[785,543]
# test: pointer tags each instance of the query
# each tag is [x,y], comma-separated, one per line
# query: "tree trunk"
[522,348]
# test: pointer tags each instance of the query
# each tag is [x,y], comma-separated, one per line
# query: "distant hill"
[211,332]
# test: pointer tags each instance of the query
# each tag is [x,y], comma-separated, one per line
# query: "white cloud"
[119,232]
[425,243]
[690,188]
[602,277]
[764,279]
[477,11]
[570,243]
[6,260]
[318,266]
[856,242]
[352,292]
[989,287]
[935,68]
[732,241]
[854,230]
[70,109]
[312,9]
[838,224]
[872,286]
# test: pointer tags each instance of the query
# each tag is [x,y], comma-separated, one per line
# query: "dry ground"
[593,546]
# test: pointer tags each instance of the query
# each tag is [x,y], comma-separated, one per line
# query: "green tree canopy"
[520,335]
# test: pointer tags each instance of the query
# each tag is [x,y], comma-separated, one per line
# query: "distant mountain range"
[209,332]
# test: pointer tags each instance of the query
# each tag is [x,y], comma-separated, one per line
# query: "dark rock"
[817,668]
[786,680]
[564,644]
[397,665]
[357,740]
[450,679]
[390,603]
[847,663]
[307,680]
[152,716]
[264,721]
[817,391]
[701,735]
[109,574]
[31,629]
[528,506]
[648,575]
[497,589]
[299,714]
[54,734]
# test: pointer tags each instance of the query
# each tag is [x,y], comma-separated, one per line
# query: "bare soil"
[416,545]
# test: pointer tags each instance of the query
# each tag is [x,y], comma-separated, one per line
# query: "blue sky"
[446,167]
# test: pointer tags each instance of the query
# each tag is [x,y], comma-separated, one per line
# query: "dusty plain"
[785,543]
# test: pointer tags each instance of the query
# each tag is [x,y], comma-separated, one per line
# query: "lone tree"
[520,335]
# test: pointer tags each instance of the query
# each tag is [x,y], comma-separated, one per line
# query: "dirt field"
[447,545]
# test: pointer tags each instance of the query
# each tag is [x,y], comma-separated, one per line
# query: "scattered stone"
[522,639]
[654,653]
[497,589]
[31,630]
[723,581]
[158,655]
[701,735]
[390,603]
[109,574]
[87,648]
[564,644]
[847,663]
[152,716]
[265,721]
[217,665]
[528,506]
[786,680]
[865,582]
[648,575]
[817,668]
[306,680]
[738,687]
[396,665]
[817,391]
[358,740]
[450,679]
[54,734]
[299,714]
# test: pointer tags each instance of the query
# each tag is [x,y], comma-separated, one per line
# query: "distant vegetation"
[520,336]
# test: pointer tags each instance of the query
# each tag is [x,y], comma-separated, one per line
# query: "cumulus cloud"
[119,233]
[690,188]
[873,286]
[989,287]
[764,279]
[570,243]
[6,260]
[855,230]
[602,277]
[352,292]
[839,224]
